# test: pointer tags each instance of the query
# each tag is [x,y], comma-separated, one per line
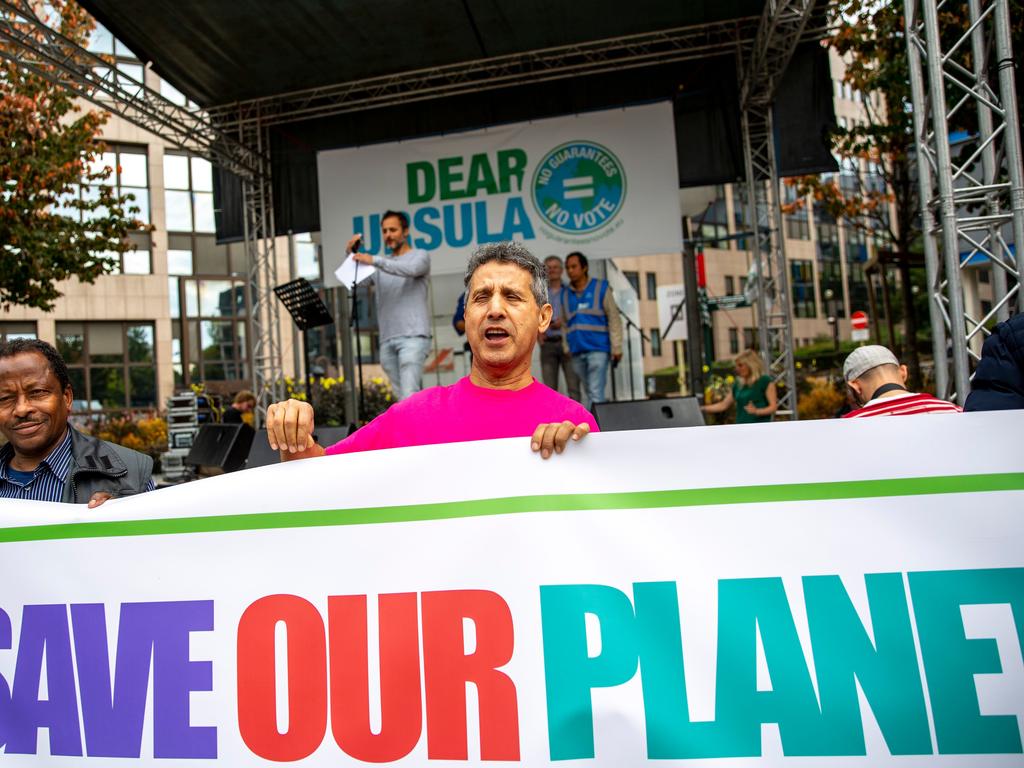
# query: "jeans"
[592,368]
[402,358]
[553,357]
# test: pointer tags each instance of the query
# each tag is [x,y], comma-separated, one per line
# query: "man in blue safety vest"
[593,328]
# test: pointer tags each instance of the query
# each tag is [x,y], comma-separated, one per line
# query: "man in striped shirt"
[45,458]
[878,382]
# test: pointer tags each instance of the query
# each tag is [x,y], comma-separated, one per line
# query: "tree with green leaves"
[878,194]
[60,216]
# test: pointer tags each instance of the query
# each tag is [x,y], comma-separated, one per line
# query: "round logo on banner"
[579,187]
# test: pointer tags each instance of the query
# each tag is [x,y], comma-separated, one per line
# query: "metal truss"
[260,245]
[762,65]
[962,200]
[613,54]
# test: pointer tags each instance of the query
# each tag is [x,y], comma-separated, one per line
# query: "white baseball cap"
[863,359]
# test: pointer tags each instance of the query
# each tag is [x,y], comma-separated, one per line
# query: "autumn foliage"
[59,215]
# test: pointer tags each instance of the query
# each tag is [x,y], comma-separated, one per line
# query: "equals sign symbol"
[580,186]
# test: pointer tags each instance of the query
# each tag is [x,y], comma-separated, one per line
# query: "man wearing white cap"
[878,382]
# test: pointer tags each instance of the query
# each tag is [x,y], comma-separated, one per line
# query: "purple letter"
[113,723]
[174,677]
[5,691]
[44,627]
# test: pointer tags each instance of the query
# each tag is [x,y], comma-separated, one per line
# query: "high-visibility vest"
[584,319]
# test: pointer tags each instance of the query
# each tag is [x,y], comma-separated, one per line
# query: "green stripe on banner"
[695,497]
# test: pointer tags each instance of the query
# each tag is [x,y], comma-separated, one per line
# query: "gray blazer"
[97,465]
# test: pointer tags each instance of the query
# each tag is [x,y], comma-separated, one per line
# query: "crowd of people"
[512,303]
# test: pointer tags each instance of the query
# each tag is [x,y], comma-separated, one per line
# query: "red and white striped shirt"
[907,404]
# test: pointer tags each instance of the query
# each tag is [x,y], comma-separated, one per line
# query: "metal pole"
[1008,96]
[980,57]
[947,205]
[924,182]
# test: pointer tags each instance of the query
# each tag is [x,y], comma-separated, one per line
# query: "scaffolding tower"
[762,65]
[965,216]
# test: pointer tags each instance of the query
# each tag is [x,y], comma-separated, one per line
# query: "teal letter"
[886,669]
[414,174]
[951,660]
[427,229]
[569,673]
[746,606]
[517,224]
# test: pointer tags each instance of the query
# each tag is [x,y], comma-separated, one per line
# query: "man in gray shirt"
[402,313]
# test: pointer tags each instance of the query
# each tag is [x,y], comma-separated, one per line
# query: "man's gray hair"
[513,253]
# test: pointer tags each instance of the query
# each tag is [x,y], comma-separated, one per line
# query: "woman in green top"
[753,392]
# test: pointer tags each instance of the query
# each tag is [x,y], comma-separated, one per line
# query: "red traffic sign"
[858,320]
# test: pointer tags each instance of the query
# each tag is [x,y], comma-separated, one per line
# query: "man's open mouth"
[495,334]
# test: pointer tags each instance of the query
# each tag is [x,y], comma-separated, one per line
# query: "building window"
[984,276]
[188,193]
[730,285]
[634,280]
[797,228]
[655,342]
[802,286]
[749,338]
[739,214]
[112,365]
[307,257]
[101,41]
[129,175]
[11,331]
[652,286]
[734,341]
[986,307]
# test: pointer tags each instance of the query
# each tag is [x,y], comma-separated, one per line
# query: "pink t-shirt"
[463,412]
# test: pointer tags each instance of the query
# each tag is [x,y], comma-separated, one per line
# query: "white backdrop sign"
[759,595]
[605,183]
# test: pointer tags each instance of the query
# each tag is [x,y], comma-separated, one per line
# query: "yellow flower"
[706,368]
[799,364]
[377,380]
[730,379]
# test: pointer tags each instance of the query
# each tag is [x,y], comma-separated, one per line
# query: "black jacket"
[97,465]
[998,383]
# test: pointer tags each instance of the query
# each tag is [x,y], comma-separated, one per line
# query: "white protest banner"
[759,595]
[605,183]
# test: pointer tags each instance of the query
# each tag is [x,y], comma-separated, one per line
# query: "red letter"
[400,702]
[307,678]
[447,669]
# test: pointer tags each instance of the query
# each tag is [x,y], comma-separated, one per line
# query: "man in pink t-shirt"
[506,308]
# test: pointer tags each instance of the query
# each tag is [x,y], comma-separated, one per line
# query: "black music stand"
[308,311]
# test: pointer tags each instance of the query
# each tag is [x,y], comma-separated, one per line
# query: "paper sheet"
[348,275]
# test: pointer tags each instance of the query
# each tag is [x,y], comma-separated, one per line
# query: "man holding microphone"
[401,295]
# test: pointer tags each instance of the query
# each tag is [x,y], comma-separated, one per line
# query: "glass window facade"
[188,193]
[11,331]
[112,365]
[801,279]
[129,175]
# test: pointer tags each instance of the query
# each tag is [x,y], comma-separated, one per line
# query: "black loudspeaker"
[221,445]
[649,414]
[261,454]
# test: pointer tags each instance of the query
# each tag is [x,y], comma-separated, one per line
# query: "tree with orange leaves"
[59,215]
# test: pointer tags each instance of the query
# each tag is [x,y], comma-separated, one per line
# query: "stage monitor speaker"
[221,445]
[261,454]
[649,414]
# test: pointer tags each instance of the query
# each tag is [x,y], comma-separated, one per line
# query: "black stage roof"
[219,52]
